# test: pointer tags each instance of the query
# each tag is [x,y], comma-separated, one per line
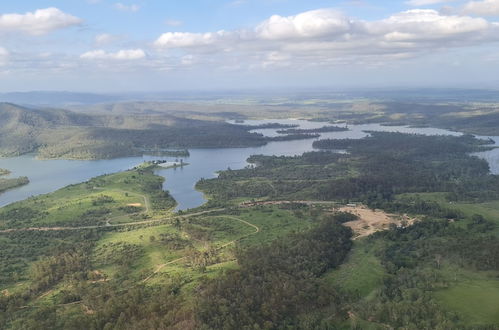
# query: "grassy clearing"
[147,240]
[273,223]
[222,229]
[474,299]
[361,274]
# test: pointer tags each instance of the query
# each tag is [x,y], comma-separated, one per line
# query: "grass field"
[153,252]
[474,299]
[273,223]
[361,274]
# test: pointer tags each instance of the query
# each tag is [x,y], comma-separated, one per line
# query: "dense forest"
[278,286]
[373,171]
[416,269]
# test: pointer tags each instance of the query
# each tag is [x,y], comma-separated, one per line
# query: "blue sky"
[155,45]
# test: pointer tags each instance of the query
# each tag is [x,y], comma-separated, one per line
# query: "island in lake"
[166,164]
[9,183]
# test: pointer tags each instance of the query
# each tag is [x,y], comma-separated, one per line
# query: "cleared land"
[370,221]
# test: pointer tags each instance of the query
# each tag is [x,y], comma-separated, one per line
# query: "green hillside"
[55,133]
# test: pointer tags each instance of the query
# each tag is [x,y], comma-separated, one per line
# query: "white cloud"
[123,7]
[327,38]
[125,54]
[187,39]
[42,21]
[427,25]
[328,30]
[482,8]
[417,3]
[309,24]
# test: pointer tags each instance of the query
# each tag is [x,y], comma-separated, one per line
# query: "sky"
[164,45]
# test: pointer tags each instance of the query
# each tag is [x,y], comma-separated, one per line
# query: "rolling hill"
[57,133]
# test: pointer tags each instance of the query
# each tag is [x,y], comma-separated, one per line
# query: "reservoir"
[49,175]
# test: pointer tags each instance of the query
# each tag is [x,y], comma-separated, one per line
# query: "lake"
[49,175]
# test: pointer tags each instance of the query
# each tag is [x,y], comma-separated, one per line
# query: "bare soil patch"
[371,221]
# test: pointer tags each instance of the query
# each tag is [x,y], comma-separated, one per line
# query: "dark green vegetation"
[9,183]
[291,137]
[259,295]
[374,171]
[65,134]
[441,272]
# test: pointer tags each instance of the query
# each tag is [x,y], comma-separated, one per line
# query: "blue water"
[49,175]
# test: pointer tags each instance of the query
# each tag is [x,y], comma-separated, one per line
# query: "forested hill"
[14,117]
[56,133]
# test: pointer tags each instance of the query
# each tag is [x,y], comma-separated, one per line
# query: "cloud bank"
[327,36]
[40,22]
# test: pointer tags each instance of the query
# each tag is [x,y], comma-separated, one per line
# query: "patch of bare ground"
[370,221]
